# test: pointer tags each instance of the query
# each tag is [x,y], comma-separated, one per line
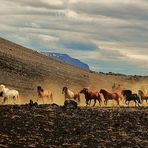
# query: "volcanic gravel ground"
[53,126]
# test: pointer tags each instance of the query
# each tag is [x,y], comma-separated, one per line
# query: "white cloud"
[116,30]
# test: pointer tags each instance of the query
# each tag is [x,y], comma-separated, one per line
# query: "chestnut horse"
[42,93]
[109,96]
[89,95]
[142,95]
[70,94]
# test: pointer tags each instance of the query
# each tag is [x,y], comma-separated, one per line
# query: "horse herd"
[102,95]
[124,96]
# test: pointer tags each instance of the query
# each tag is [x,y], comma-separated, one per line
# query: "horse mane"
[104,90]
[127,91]
[105,93]
[65,88]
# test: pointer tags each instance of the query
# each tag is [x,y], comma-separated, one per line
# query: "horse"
[131,97]
[109,96]
[7,94]
[89,95]
[68,94]
[43,93]
[142,95]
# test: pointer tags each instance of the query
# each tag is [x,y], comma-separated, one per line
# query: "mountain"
[66,58]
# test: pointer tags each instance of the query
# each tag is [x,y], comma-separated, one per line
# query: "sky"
[108,35]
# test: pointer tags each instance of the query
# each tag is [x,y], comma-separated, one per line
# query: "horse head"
[140,92]
[84,90]
[126,92]
[2,88]
[64,89]
[102,91]
[39,89]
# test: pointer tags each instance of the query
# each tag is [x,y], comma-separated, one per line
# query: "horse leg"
[51,97]
[14,99]
[43,100]
[105,102]
[18,100]
[78,99]
[99,102]
[86,103]
[136,103]
[5,99]
[94,102]
[37,99]
[89,102]
[118,102]
[128,103]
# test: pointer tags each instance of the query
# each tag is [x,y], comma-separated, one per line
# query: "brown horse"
[142,95]
[109,96]
[42,93]
[89,95]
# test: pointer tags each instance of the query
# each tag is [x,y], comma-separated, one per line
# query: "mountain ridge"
[68,59]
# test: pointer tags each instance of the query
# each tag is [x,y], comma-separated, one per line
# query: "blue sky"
[109,35]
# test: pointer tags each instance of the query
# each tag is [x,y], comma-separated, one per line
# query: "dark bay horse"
[109,96]
[89,95]
[131,97]
[142,95]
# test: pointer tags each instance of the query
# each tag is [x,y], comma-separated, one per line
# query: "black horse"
[131,97]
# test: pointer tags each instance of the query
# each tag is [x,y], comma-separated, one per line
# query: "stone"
[70,104]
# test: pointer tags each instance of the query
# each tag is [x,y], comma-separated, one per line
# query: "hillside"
[66,58]
[24,69]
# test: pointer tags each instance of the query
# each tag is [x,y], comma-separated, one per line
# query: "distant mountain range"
[66,58]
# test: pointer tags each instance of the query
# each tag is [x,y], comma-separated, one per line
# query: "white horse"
[8,93]
[71,95]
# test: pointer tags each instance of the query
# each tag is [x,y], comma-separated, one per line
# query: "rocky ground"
[54,126]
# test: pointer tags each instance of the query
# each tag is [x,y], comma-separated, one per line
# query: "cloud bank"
[107,35]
